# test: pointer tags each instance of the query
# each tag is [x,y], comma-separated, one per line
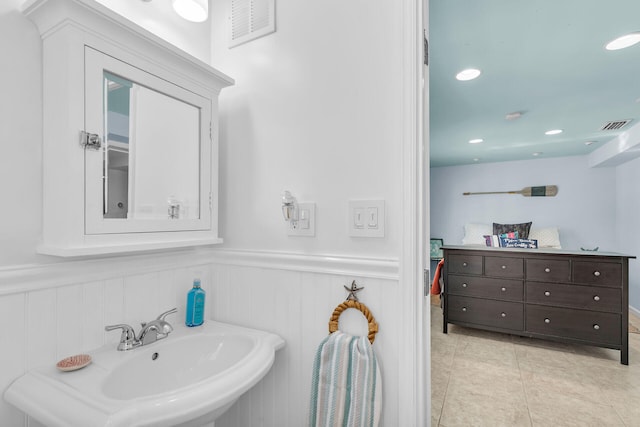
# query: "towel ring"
[373,326]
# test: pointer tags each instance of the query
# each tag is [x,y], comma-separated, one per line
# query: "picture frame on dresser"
[566,296]
[435,249]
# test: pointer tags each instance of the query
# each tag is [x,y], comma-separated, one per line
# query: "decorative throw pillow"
[522,229]
[473,233]
[548,237]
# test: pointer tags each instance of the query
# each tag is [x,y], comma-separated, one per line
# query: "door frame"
[414,369]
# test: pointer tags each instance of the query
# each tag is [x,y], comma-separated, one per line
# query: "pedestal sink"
[188,379]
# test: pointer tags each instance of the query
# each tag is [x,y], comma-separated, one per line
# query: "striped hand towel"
[345,386]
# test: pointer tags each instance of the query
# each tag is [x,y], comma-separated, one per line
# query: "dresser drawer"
[466,264]
[597,327]
[503,289]
[574,296]
[598,273]
[503,267]
[548,270]
[499,314]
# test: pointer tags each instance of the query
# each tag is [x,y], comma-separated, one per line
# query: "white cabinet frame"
[68,29]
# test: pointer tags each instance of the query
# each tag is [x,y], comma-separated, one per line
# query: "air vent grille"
[615,125]
[250,19]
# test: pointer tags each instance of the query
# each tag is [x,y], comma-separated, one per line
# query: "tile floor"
[481,378]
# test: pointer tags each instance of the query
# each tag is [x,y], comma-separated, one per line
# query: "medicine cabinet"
[130,144]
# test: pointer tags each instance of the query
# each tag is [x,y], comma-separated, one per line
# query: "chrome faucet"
[152,331]
[156,329]
[128,339]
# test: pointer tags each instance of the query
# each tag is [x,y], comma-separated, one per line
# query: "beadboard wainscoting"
[53,311]
[297,305]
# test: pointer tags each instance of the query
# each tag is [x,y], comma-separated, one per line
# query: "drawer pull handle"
[547,270]
[464,308]
[504,267]
[503,289]
[596,273]
[464,264]
[596,298]
[596,327]
[464,285]
[503,314]
[547,320]
[547,293]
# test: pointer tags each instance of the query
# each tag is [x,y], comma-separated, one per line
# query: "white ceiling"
[543,58]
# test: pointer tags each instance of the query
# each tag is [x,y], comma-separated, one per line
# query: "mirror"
[151,153]
[153,170]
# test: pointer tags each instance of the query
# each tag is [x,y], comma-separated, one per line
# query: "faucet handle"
[166,313]
[127,338]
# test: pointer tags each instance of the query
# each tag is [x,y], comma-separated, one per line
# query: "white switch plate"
[366,218]
[306,223]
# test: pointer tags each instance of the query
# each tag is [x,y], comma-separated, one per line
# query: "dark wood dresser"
[578,297]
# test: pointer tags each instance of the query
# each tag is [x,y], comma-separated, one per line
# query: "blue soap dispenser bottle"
[195,305]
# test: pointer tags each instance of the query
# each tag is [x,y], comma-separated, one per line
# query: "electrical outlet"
[305,225]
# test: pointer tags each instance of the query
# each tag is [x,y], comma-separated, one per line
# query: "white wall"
[584,209]
[20,137]
[628,232]
[159,18]
[316,110]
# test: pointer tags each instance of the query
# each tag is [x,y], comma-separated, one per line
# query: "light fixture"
[625,41]
[289,207]
[537,153]
[192,10]
[513,116]
[553,132]
[468,74]
[476,141]
[589,142]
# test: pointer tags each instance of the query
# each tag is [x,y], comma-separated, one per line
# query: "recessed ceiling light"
[625,41]
[589,142]
[468,74]
[476,141]
[553,132]
[476,159]
[537,153]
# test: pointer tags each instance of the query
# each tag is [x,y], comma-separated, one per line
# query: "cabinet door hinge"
[210,202]
[210,132]
[90,140]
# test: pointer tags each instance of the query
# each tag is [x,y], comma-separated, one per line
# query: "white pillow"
[547,237]
[474,233]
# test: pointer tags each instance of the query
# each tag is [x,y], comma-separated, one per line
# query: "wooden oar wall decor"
[540,191]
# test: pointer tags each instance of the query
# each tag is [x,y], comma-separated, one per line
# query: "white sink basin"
[189,378]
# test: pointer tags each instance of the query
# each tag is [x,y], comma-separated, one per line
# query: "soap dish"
[73,363]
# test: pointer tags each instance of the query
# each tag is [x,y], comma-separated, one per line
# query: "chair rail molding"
[25,278]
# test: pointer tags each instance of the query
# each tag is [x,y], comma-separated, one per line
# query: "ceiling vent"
[615,125]
[250,19]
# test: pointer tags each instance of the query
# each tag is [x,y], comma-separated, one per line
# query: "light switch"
[303,219]
[366,218]
[372,217]
[358,218]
